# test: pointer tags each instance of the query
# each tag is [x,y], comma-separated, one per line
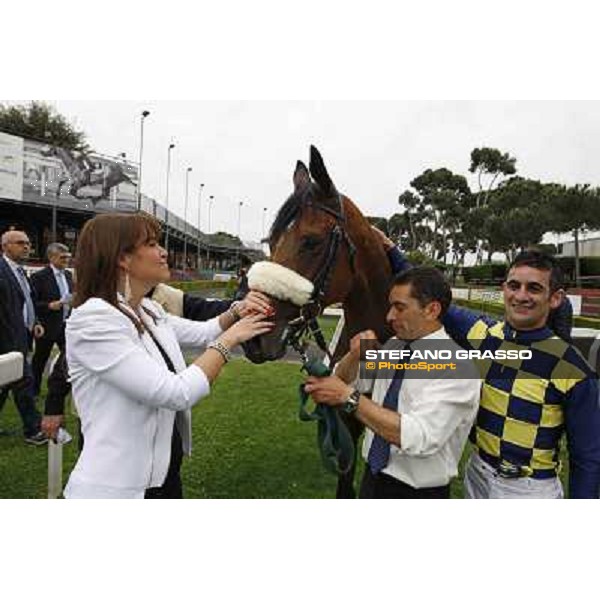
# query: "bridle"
[307,322]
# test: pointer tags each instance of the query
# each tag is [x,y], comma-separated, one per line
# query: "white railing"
[11,367]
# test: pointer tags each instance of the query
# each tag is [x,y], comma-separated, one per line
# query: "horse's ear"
[319,172]
[301,176]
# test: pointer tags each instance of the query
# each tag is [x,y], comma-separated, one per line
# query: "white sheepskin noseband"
[280,282]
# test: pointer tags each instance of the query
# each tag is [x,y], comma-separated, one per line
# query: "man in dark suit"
[18,310]
[53,287]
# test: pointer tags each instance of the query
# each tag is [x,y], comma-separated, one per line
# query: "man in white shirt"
[417,424]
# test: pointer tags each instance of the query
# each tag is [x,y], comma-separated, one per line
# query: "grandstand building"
[50,192]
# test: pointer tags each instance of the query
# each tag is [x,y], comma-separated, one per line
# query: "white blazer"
[126,396]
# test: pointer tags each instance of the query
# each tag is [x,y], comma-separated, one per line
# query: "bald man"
[18,309]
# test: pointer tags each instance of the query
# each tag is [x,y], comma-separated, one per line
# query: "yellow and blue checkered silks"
[520,420]
[526,405]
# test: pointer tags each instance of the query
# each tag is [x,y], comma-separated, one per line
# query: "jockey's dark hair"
[542,261]
[102,243]
[427,284]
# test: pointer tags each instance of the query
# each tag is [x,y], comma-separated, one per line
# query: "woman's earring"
[127,291]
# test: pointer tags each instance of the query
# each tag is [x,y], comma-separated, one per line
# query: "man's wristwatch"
[351,404]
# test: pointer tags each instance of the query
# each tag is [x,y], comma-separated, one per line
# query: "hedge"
[489,272]
[203,284]
[588,265]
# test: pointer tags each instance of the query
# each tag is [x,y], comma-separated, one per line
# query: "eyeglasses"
[21,243]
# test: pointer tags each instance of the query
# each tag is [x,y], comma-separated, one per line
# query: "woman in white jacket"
[125,362]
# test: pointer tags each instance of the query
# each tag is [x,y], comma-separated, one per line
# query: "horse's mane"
[288,213]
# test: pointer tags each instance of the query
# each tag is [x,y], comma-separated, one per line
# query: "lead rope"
[333,438]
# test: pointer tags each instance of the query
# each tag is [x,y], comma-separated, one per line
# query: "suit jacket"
[15,337]
[46,291]
[126,396]
[200,309]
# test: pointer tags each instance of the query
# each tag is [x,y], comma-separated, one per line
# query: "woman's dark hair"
[427,285]
[102,243]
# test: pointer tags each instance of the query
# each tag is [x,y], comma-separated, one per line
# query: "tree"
[446,198]
[222,238]
[516,216]
[42,122]
[381,223]
[492,162]
[411,217]
[574,209]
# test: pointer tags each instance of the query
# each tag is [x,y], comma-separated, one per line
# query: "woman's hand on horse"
[367,335]
[255,302]
[245,329]
[327,390]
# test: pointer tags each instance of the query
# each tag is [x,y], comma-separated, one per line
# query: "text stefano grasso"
[499,354]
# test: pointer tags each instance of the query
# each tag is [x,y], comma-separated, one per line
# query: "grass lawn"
[248,443]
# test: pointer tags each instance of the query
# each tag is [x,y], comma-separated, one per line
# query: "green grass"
[328,325]
[248,443]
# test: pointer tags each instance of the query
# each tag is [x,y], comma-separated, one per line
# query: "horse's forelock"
[288,213]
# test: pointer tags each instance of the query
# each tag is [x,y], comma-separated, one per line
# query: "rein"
[333,437]
[307,322]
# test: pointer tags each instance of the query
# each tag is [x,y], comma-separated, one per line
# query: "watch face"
[352,402]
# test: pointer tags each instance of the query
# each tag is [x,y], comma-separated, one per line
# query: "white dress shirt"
[126,396]
[28,308]
[436,415]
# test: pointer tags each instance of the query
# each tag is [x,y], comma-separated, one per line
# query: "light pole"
[185,211]
[145,113]
[263,223]
[240,204]
[199,223]
[48,138]
[171,146]
[210,201]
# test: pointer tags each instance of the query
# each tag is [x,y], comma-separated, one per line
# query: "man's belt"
[507,470]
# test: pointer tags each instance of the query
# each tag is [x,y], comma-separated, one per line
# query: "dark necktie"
[63,288]
[379,452]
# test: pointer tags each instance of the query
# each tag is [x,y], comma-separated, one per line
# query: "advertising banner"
[43,173]
[53,173]
[11,167]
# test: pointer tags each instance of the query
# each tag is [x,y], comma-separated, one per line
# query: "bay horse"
[322,236]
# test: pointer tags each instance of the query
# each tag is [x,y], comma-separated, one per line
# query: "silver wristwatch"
[221,349]
[351,404]
[234,312]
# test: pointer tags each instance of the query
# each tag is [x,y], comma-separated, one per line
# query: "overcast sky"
[246,150]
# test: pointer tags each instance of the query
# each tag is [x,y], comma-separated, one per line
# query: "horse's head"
[310,238]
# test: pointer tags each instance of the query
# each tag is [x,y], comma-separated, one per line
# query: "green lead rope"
[333,438]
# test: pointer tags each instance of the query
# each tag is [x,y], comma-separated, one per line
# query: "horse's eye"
[310,243]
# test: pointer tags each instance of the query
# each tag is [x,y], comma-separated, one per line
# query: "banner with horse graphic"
[47,174]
